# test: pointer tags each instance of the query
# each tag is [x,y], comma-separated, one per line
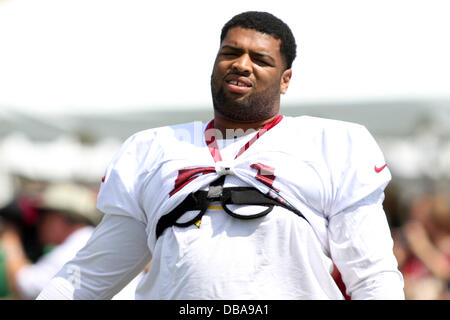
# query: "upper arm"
[361,246]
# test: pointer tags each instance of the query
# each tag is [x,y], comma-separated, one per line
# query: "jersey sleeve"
[358,232]
[361,247]
[121,188]
[357,168]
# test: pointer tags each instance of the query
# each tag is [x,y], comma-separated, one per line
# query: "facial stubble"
[253,108]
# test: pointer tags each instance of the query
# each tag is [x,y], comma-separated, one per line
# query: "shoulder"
[144,150]
[328,133]
[350,156]
[347,148]
[324,125]
[160,135]
[151,141]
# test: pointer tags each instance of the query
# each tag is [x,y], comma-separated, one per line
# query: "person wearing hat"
[67,218]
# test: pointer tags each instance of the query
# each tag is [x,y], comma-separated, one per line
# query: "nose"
[242,64]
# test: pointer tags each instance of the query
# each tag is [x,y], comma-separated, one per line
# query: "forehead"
[252,40]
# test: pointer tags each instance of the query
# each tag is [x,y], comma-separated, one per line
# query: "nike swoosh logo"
[379,169]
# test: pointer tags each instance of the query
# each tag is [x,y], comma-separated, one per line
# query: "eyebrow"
[258,54]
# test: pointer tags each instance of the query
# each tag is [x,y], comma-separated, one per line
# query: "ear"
[285,80]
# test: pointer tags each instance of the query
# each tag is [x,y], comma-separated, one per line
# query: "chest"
[302,174]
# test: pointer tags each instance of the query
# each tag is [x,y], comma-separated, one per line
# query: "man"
[66,220]
[251,205]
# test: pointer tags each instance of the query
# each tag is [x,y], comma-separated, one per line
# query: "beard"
[253,108]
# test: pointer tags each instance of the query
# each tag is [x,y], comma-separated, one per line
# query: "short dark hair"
[266,23]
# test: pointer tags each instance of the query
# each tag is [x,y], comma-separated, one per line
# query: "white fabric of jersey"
[324,168]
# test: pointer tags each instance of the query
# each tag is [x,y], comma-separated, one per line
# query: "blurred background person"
[422,248]
[66,217]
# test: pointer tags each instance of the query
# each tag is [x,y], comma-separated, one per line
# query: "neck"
[237,128]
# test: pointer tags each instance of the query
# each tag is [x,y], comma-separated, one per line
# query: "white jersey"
[331,171]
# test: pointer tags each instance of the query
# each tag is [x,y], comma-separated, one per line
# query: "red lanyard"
[185,176]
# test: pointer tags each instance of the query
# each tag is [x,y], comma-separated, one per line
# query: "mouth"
[238,84]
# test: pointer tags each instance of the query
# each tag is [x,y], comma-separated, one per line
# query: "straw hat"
[76,201]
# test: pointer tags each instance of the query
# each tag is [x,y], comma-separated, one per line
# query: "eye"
[262,62]
[229,54]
